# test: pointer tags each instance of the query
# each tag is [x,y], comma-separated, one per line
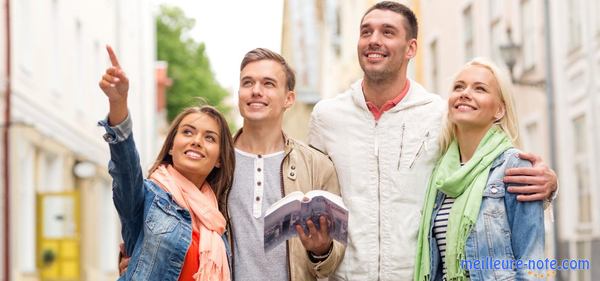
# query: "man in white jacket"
[382,137]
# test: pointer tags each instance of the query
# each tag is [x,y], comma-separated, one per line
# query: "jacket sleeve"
[526,221]
[329,182]
[126,172]
[315,131]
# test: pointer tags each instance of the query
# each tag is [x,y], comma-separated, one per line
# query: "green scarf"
[465,183]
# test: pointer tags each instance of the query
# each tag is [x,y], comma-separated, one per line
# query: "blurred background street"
[57,219]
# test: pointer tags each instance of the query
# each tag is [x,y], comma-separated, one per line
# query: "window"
[434,67]
[574,23]
[582,173]
[334,22]
[52,173]
[56,52]
[26,239]
[533,141]
[24,37]
[528,34]
[583,252]
[79,72]
[468,33]
[496,7]
[597,5]
[495,41]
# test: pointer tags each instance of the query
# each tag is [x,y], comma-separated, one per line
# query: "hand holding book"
[316,241]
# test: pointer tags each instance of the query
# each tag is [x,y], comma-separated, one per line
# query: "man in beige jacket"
[270,165]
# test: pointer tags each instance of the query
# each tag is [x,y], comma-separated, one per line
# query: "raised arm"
[124,166]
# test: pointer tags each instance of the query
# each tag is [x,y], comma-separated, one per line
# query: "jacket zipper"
[287,243]
[378,203]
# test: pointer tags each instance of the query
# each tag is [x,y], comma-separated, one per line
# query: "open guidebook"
[296,208]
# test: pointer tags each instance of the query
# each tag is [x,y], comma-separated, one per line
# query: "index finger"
[530,157]
[113,58]
[523,171]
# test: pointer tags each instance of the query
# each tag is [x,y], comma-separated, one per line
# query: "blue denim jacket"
[157,232]
[506,230]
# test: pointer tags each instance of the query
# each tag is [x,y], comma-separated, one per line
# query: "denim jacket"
[157,232]
[506,230]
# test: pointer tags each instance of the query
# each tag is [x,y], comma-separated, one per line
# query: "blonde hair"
[508,123]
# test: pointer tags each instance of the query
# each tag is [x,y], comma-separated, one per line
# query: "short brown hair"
[220,179]
[411,25]
[259,54]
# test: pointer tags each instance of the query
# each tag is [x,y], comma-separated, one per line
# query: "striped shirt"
[440,226]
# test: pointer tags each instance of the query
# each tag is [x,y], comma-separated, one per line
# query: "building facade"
[63,225]
[576,53]
[319,40]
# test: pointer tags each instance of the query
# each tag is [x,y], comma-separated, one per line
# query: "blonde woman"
[472,228]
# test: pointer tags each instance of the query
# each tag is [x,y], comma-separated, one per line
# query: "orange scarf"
[206,219]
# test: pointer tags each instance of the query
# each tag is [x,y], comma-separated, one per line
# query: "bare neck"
[380,91]
[260,139]
[468,139]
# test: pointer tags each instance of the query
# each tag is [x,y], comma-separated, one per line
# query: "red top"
[191,263]
[377,112]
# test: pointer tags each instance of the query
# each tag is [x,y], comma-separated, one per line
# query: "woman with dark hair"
[171,223]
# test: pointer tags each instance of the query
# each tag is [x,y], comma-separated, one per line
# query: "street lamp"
[510,52]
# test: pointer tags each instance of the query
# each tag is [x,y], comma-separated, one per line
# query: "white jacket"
[383,168]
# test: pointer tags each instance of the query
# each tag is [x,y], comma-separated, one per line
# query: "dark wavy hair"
[220,179]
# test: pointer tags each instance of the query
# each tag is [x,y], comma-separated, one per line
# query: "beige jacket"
[305,168]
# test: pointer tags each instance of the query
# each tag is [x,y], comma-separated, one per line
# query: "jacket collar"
[417,95]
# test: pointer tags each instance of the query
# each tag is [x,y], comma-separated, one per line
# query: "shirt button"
[258,183]
[259,169]
[292,174]
[293,167]
[257,198]
[259,156]
[494,190]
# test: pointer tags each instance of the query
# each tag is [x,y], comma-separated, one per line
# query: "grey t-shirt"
[256,186]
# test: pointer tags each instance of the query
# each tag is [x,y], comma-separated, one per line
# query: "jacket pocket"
[412,149]
[496,229]
[161,216]
[422,149]
[492,203]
